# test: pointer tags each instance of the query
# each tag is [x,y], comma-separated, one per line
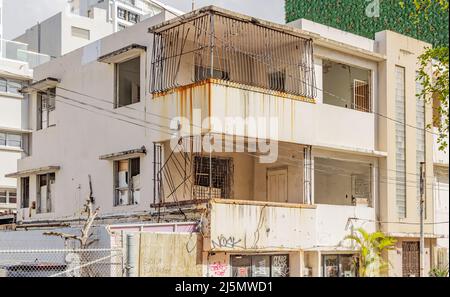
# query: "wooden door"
[277,185]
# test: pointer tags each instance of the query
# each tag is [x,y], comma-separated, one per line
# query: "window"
[126,15]
[45,192]
[81,33]
[121,13]
[221,173]
[361,99]
[277,81]
[10,86]
[342,182]
[25,192]
[346,86]
[11,139]
[420,138]
[12,196]
[127,181]
[46,109]
[8,196]
[339,265]
[260,266]
[400,138]
[128,82]
[3,196]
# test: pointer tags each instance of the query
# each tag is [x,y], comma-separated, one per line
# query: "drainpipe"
[132,254]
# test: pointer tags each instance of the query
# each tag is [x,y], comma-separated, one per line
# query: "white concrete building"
[339,165]
[65,32]
[16,64]
[123,13]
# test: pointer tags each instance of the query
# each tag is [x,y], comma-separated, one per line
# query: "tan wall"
[401,51]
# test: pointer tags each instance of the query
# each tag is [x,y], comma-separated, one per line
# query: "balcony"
[18,51]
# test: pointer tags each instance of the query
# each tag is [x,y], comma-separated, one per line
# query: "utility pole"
[193,5]
[422,207]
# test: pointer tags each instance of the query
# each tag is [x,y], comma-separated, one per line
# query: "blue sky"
[19,15]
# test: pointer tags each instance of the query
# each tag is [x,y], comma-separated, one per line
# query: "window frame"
[117,82]
[25,192]
[251,257]
[129,180]
[49,97]
[49,177]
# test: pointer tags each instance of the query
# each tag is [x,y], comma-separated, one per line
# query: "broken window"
[45,191]
[346,86]
[128,82]
[260,266]
[214,183]
[339,182]
[46,109]
[127,184]
[24,192]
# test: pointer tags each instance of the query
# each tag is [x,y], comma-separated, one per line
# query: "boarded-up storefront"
[164,254]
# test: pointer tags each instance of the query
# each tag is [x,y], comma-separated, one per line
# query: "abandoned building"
[127,125]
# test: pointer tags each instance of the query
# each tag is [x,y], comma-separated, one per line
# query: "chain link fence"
[62,263]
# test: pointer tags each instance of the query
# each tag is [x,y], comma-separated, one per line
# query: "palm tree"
[370,247]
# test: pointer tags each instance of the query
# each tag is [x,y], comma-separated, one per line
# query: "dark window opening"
[128,82]
[25,192]
[221,177]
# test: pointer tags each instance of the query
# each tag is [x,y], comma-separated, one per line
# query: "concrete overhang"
[345,149]
[41,85]
[317,39]
[27,172]
[121,55]
[15,130]
[124,154]
[414,235]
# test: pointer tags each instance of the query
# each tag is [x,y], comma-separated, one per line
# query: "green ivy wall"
[350,16]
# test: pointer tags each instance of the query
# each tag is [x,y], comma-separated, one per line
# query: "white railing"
[18,51]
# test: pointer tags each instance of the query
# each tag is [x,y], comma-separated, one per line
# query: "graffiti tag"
[225,242]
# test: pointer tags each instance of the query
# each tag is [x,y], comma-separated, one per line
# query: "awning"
[27,172]
[41,85]
[123,54]
[125,154]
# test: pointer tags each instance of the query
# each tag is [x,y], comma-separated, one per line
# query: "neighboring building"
[16,63]
[123,13]
[65,32]
[368,17]
[85,21]
[118,121]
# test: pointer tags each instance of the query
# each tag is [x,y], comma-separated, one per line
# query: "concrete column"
[132,255]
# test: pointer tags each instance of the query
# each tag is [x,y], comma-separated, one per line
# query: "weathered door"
[277,185]
[410,258]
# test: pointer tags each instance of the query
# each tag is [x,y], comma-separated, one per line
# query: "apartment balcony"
[18,51]
[215,66]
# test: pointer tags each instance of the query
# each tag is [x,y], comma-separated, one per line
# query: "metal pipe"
[132,254]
